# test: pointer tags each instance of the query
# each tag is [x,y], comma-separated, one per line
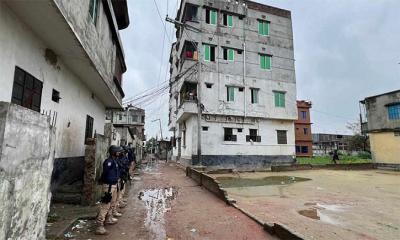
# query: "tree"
[150,145]
[357,142]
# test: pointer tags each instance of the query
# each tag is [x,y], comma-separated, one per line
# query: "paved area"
[333,204]
[164,204]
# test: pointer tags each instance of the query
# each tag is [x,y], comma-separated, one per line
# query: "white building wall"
[19,46]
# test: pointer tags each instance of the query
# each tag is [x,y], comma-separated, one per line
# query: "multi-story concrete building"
[64,59]
[325,143]
[381,121]
[247,84]
[303,130]
[129,125]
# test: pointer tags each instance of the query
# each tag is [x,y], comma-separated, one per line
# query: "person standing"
[335,156]
[109,180]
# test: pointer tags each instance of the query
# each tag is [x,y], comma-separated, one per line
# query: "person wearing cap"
[109,180]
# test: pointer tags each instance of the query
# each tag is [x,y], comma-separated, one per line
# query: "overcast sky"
[344,51]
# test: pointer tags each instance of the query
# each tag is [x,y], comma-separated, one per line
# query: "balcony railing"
[230,138]
[253,138]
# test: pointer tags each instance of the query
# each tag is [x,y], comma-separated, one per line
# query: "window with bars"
[211,16]
[265,61]
[93,10]
[89,128]
[279,98]
[209,53]
[281,136]
[394,111]
[228,20]
[254,95]
[229,54]
[230,94]
[253,136]
[27,90]
[263,27]
[228,135]
[303,114]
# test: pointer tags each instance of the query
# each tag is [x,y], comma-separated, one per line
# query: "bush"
[364,155]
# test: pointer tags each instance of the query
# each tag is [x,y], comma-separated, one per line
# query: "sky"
[344,51]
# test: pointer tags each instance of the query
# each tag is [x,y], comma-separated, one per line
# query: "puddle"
[317,212]
[234,182]
[157,202]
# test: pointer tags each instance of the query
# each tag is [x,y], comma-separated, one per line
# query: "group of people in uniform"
[116,173]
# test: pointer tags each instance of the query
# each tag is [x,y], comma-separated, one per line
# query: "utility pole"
[199,84]
[159,120]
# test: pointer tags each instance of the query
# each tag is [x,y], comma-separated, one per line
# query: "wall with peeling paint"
[27,144]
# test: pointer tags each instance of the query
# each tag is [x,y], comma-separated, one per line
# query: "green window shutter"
[260,28]
[282,101]
[266,28]
[254,95]
[262,61]
[231,54]
[206,52]
[213,16]
[230,21]
[276,95]
[231,94]
[267,62]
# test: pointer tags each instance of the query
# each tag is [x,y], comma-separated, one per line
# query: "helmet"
[113,149]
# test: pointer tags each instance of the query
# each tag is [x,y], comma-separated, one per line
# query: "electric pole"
[159,120]
[199,83]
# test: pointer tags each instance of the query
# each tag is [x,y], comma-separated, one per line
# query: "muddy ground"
[322,204]
[165,204]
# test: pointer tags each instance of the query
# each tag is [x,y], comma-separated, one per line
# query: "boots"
[110,220]
[122,204]
[117,214]
[100,230]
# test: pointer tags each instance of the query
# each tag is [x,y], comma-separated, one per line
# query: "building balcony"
[187,108]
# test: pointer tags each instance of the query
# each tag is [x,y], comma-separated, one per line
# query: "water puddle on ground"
[235,182]
[320,212]
[157,202]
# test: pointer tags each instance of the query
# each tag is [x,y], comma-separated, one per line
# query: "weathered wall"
[20,46]
[27,144]
[385,147]
[377,112]
[95,154]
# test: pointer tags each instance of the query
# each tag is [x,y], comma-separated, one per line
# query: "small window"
[89,128]
[228,20]
[240,130]
[254,95]
[142,119]
[304,149]
[93,10]
[190,12]
[241,89]
[209,85]
[263,27]
[279,99]
[394,111]
[303,114]
[298,149]
[230,94]
[253,136]
[55,96]
[211,16]
[27,90]
[265,61]
[305,131]
[209,53]
[120,116]
[228,135]
[281,136]
[228,54]
[205,128]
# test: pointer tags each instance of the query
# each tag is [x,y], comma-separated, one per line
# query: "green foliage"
[364,155]
[322,160]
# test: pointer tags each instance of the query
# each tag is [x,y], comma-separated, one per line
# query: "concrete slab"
[334,204]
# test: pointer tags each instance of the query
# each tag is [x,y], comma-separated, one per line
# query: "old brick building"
[303,134]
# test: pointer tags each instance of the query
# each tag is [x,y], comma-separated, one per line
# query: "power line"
[162,21]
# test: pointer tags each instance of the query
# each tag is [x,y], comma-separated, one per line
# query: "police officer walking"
[109,179]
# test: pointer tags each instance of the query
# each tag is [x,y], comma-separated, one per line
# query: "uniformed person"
[109,179]
[124,177]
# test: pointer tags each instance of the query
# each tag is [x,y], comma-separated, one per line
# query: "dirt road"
[164,204]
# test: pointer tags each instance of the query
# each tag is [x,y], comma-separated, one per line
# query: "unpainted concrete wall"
[27,144]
